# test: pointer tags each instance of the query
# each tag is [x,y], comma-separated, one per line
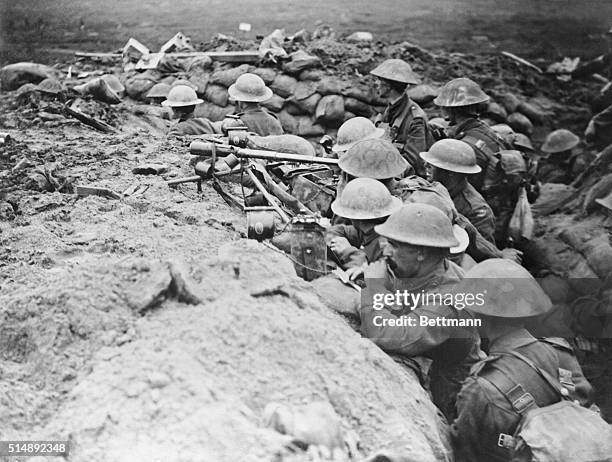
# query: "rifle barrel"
[204,148]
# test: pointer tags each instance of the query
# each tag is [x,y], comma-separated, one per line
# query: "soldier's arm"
[349,256]
[411,339]
[484,221]
[479,248]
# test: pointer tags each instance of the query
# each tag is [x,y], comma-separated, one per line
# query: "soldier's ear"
[420,255]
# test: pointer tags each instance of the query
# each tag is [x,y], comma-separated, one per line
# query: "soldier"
[352,131]
[451,162]
[462,101]
[366,203]
[559,165]
[158,93]
[248,91]
[407,121]
[379,159]
[419,237]
[183,100]
[502,387]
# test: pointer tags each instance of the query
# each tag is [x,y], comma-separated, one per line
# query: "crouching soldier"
[504,386]
[248,91]
[183,100]
[407,122]
[366,203]
[419,237]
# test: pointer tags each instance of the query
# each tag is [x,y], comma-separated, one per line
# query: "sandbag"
[552,197]
[212,111]
[275,104]
[283,85]
[300,60]
[200,80]
[595,249]
[341,298]
[600,189]
[520,123]
[532,112]
[509,101]
[422,94]
[138,85]
[303,90]
[306,127]
[199,64]
[330,110]
[308,105]
[330,86]
[15,75]
[282,143]
[228,76]
[294,109]
[362,93]
[217,94]
[288,122]
[311,74]
[496,112]
[358,107]
[267,74]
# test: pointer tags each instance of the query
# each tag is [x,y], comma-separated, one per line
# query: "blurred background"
[548,29]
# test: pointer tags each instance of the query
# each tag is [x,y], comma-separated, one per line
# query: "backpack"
[560,432]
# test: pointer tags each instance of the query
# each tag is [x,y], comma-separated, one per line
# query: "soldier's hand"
[355,272]
[339,244]
[513,254]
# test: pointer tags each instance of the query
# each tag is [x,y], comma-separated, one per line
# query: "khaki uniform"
[192,126]
[365,248]
[484,412]
[408,130]
[259,121]
[452,349]
[480,248]
[472,205]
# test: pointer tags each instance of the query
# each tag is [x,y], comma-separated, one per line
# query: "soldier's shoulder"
[415,110]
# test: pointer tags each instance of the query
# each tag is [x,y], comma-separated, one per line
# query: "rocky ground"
[148,328]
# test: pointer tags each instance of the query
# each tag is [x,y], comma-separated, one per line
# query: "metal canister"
[260,222]
[308,247]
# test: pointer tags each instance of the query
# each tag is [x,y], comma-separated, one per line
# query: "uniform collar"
[467,124]
[185,117]
[511,341]
[458,187]
[430,280]
[251,110]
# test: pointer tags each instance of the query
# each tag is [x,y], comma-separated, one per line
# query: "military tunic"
[472,205]
[484,412]
[452,349]
[259,121]
[408,130]
[192,126]
[365,247]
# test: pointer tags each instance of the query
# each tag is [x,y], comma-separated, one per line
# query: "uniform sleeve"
[416,140]
[479,248]
[467,429]
[484,221]
[411,339]
[353,256]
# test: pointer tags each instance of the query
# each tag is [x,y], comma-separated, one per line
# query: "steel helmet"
[503,130]
[509,290]
[445,205]
[420,225]
[374,158]
[365,199]
[250,88]
[354,130]
[180,96]
[522,141]
[460,92]
[453,155]
[159,90]
[397,70]
[560,141]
